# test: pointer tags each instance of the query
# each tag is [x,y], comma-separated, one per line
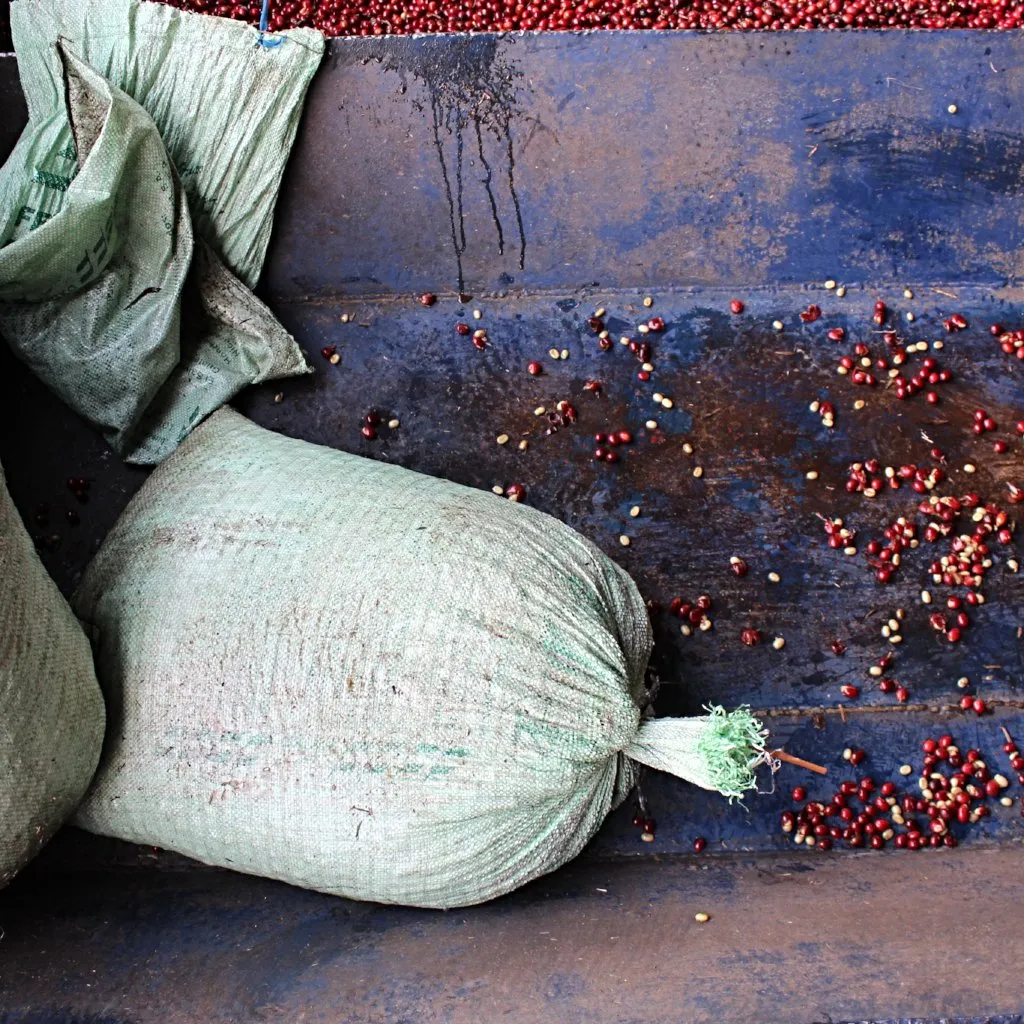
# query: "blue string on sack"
[264,24]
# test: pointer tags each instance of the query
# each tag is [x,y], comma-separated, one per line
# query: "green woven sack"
[104,291]
[227,108]
[51,711]
[366,681]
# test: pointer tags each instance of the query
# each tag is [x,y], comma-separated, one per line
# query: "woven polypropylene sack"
[356,678]
[51,710]
[104,291]
[226,107]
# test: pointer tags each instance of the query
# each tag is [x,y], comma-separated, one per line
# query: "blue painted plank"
[790,941]
[741,392]
[654,160]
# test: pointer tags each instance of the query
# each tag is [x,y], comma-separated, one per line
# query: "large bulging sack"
[366,681]
[51,710]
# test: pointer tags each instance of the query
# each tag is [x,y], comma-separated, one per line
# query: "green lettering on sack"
[433,748]
[56,181]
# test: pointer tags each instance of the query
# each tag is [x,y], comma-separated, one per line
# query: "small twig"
[889,79]
[799,762]
[1006,733]
[842,713]
[949,295]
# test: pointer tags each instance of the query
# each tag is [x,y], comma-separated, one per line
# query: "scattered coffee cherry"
[79,487]
[1012,343]
[534,369]
[738,567]
[736,306]
[910,822]
[751,637]
[839,536]
[428,299]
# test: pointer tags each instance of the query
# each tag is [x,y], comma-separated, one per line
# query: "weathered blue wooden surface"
[556,174]
[655,160]
[791,940]
[741,393]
